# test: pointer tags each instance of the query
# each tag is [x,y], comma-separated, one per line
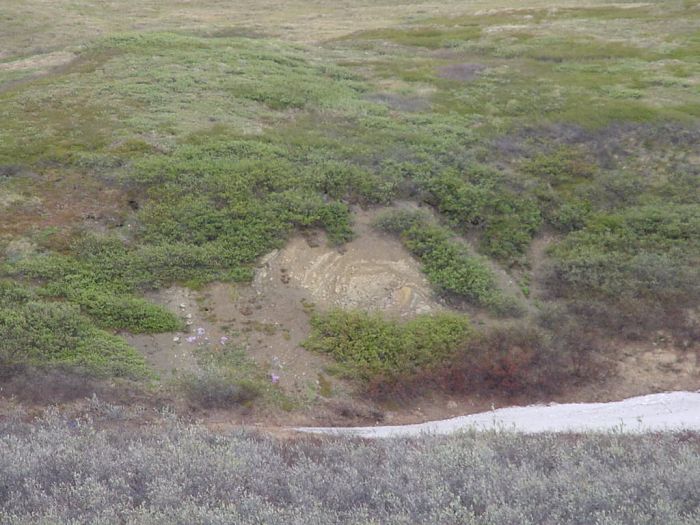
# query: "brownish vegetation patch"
[57,203]
[463,72]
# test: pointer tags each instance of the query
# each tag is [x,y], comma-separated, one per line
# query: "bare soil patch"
[372,272]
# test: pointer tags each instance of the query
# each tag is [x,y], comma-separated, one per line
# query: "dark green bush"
[351,183]
[647,251]
[571,216]
[564,166]
[447,263]
[480,199]
[101,282]
[40,333]
[369,346]
[126,313]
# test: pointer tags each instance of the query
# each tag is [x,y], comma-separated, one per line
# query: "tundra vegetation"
[164,150]
[553,145]
[59,470]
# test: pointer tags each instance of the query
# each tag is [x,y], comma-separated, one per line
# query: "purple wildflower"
[274,378]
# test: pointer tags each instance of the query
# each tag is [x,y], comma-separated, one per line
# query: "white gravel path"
[655,412]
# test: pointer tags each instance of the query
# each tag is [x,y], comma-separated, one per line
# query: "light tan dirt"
[372,272]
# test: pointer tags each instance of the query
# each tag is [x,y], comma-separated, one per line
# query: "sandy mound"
[372,272]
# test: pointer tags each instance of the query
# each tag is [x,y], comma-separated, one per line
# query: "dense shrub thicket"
[648,252]
[476,199]
[64,471]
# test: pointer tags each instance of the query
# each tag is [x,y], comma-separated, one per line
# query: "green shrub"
[127,313]
[101,283]
[636,268]
[447,263]
[571,216]
[351,183]
[368,346]
[480,199]
[428,37]
[563,166]
[56,334]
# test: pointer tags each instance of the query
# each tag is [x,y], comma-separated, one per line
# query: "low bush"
[127,313]
[512,360]
[41,333]
[563,167]
[442,353]
[428,37]
[508,360]
[59,470]
[642,258]
[479,199]
[102,283]
[370,347]
[447,263]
